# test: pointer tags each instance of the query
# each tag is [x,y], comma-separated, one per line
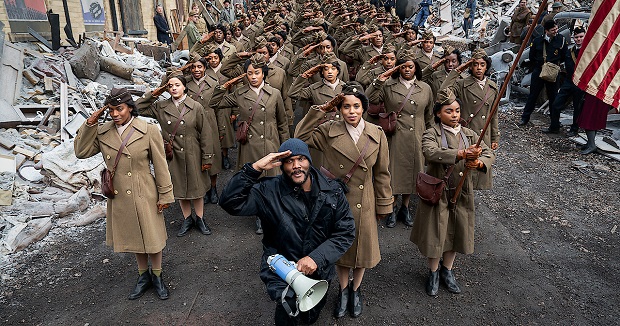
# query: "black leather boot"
[144,283]
[342,303]
[448,279]
[355,302]
[259,227]
[390,221]
[225,163]
[202,226]
[160,287]
[432,284]
[186,226]
[207,197]
[213,195]
[405,215]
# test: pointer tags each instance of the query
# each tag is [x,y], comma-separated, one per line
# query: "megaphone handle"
[285,305]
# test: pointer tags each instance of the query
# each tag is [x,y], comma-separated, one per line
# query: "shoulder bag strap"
[202,87]
[176,126]
[255,106]
[444,143]
[357,163]
[402,105]
[120,149]
[486,97]
[544,51]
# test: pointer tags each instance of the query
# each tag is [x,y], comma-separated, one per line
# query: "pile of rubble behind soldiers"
[48,186]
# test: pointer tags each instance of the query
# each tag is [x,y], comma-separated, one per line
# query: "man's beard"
[290,177]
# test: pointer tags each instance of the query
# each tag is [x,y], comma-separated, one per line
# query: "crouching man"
[306,218]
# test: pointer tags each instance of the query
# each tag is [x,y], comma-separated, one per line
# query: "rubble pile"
[42,183]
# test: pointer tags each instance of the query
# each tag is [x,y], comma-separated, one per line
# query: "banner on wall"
[30,10]
[93,13]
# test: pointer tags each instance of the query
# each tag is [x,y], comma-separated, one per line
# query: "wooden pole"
[499,96]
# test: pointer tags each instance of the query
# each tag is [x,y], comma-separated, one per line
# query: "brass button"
[412,102]
[249,136]
[129,192]
[116,192]
[181,136]
[361,186]
[483,117]
[129,174]
[460,174]
[474,101]
[471,115]
[262,109]
[399,115]
[411,129]
[358,205]
[262,122]
[337,116]
[412,115]
[182,122]
[364,169]
[398,128]
[107,157]
[128,156]
[261,136]
[480,130]
[341,166]
[169,122]
[440,158]
[181,149]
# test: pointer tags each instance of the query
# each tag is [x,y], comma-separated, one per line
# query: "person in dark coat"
[306,219]
[554,47]
[163,30]
[568,89]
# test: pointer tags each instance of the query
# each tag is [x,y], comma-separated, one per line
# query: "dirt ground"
[546,253]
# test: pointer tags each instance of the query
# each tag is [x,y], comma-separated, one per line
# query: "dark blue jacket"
[162,28]
[556,50]
[323,232]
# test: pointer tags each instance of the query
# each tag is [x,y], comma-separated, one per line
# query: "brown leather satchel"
[387,120]
[168,143]
[430,188]
[243,128]
[375,109]
[107,187]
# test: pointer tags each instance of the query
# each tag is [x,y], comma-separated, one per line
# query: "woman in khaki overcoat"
[200,88]
[441,231]
[477,94]
[369,192]
[320,92]
[135,222]
[406,158]
[193,147]
[269,127]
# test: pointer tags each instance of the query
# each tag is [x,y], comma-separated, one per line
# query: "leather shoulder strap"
[486,97]
[176,126]
[402,105]
[357,163]
[255,106]
[120,149]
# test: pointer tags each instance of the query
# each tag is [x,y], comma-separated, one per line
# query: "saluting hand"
[309,49]
[384,76]
[270,161]
[376,58]
[333,104]
[206,37]
[464,66]
[312,71]
[233,81]
[414,42]
[439,63]
[159,90]
[94,117]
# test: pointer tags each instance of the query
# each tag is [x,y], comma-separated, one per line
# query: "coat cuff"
[384,206]
[250,172]
[207,158]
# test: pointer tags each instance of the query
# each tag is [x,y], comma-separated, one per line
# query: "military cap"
[478,54]
[119,96]
[258,60]
[445,97]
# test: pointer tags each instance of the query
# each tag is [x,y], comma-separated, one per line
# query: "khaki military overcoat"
[437,229]
[406,158]
[369,193]
[133,223]
[191,146]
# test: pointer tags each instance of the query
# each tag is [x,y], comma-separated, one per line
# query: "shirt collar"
[179,101]
[356,132]
[377,49]
[257,90]
[454,130]
[216,69]
[273,58]
[407,83]
[334,85]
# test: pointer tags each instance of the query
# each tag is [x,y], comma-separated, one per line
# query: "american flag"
[598,65]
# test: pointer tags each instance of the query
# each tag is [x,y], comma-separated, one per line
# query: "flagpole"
[499,96]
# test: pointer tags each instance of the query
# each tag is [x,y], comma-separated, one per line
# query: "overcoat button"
[129,174]
[262,122]
[262,109]
[116,192]
[412,115]
[399,115]
[410,129]
[341,166]
[261,136]
[460,174]
[169,122]
[129,192]
[412,102]
[483,117]
[181,136]
[337,116]
[358,205]
[361,186]
[364,169]
[182,122]
[474,102]
[129,157]
[471,115]
[181,149]
[107,157]
[480,130]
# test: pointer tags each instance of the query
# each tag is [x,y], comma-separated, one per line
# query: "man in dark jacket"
[306,218]
[568,89]
[549,47]
[163,30]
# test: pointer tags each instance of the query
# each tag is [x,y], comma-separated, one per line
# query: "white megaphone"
[309,292]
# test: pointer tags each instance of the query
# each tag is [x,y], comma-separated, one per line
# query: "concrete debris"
[93,214]
[23,234]
[85,61]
